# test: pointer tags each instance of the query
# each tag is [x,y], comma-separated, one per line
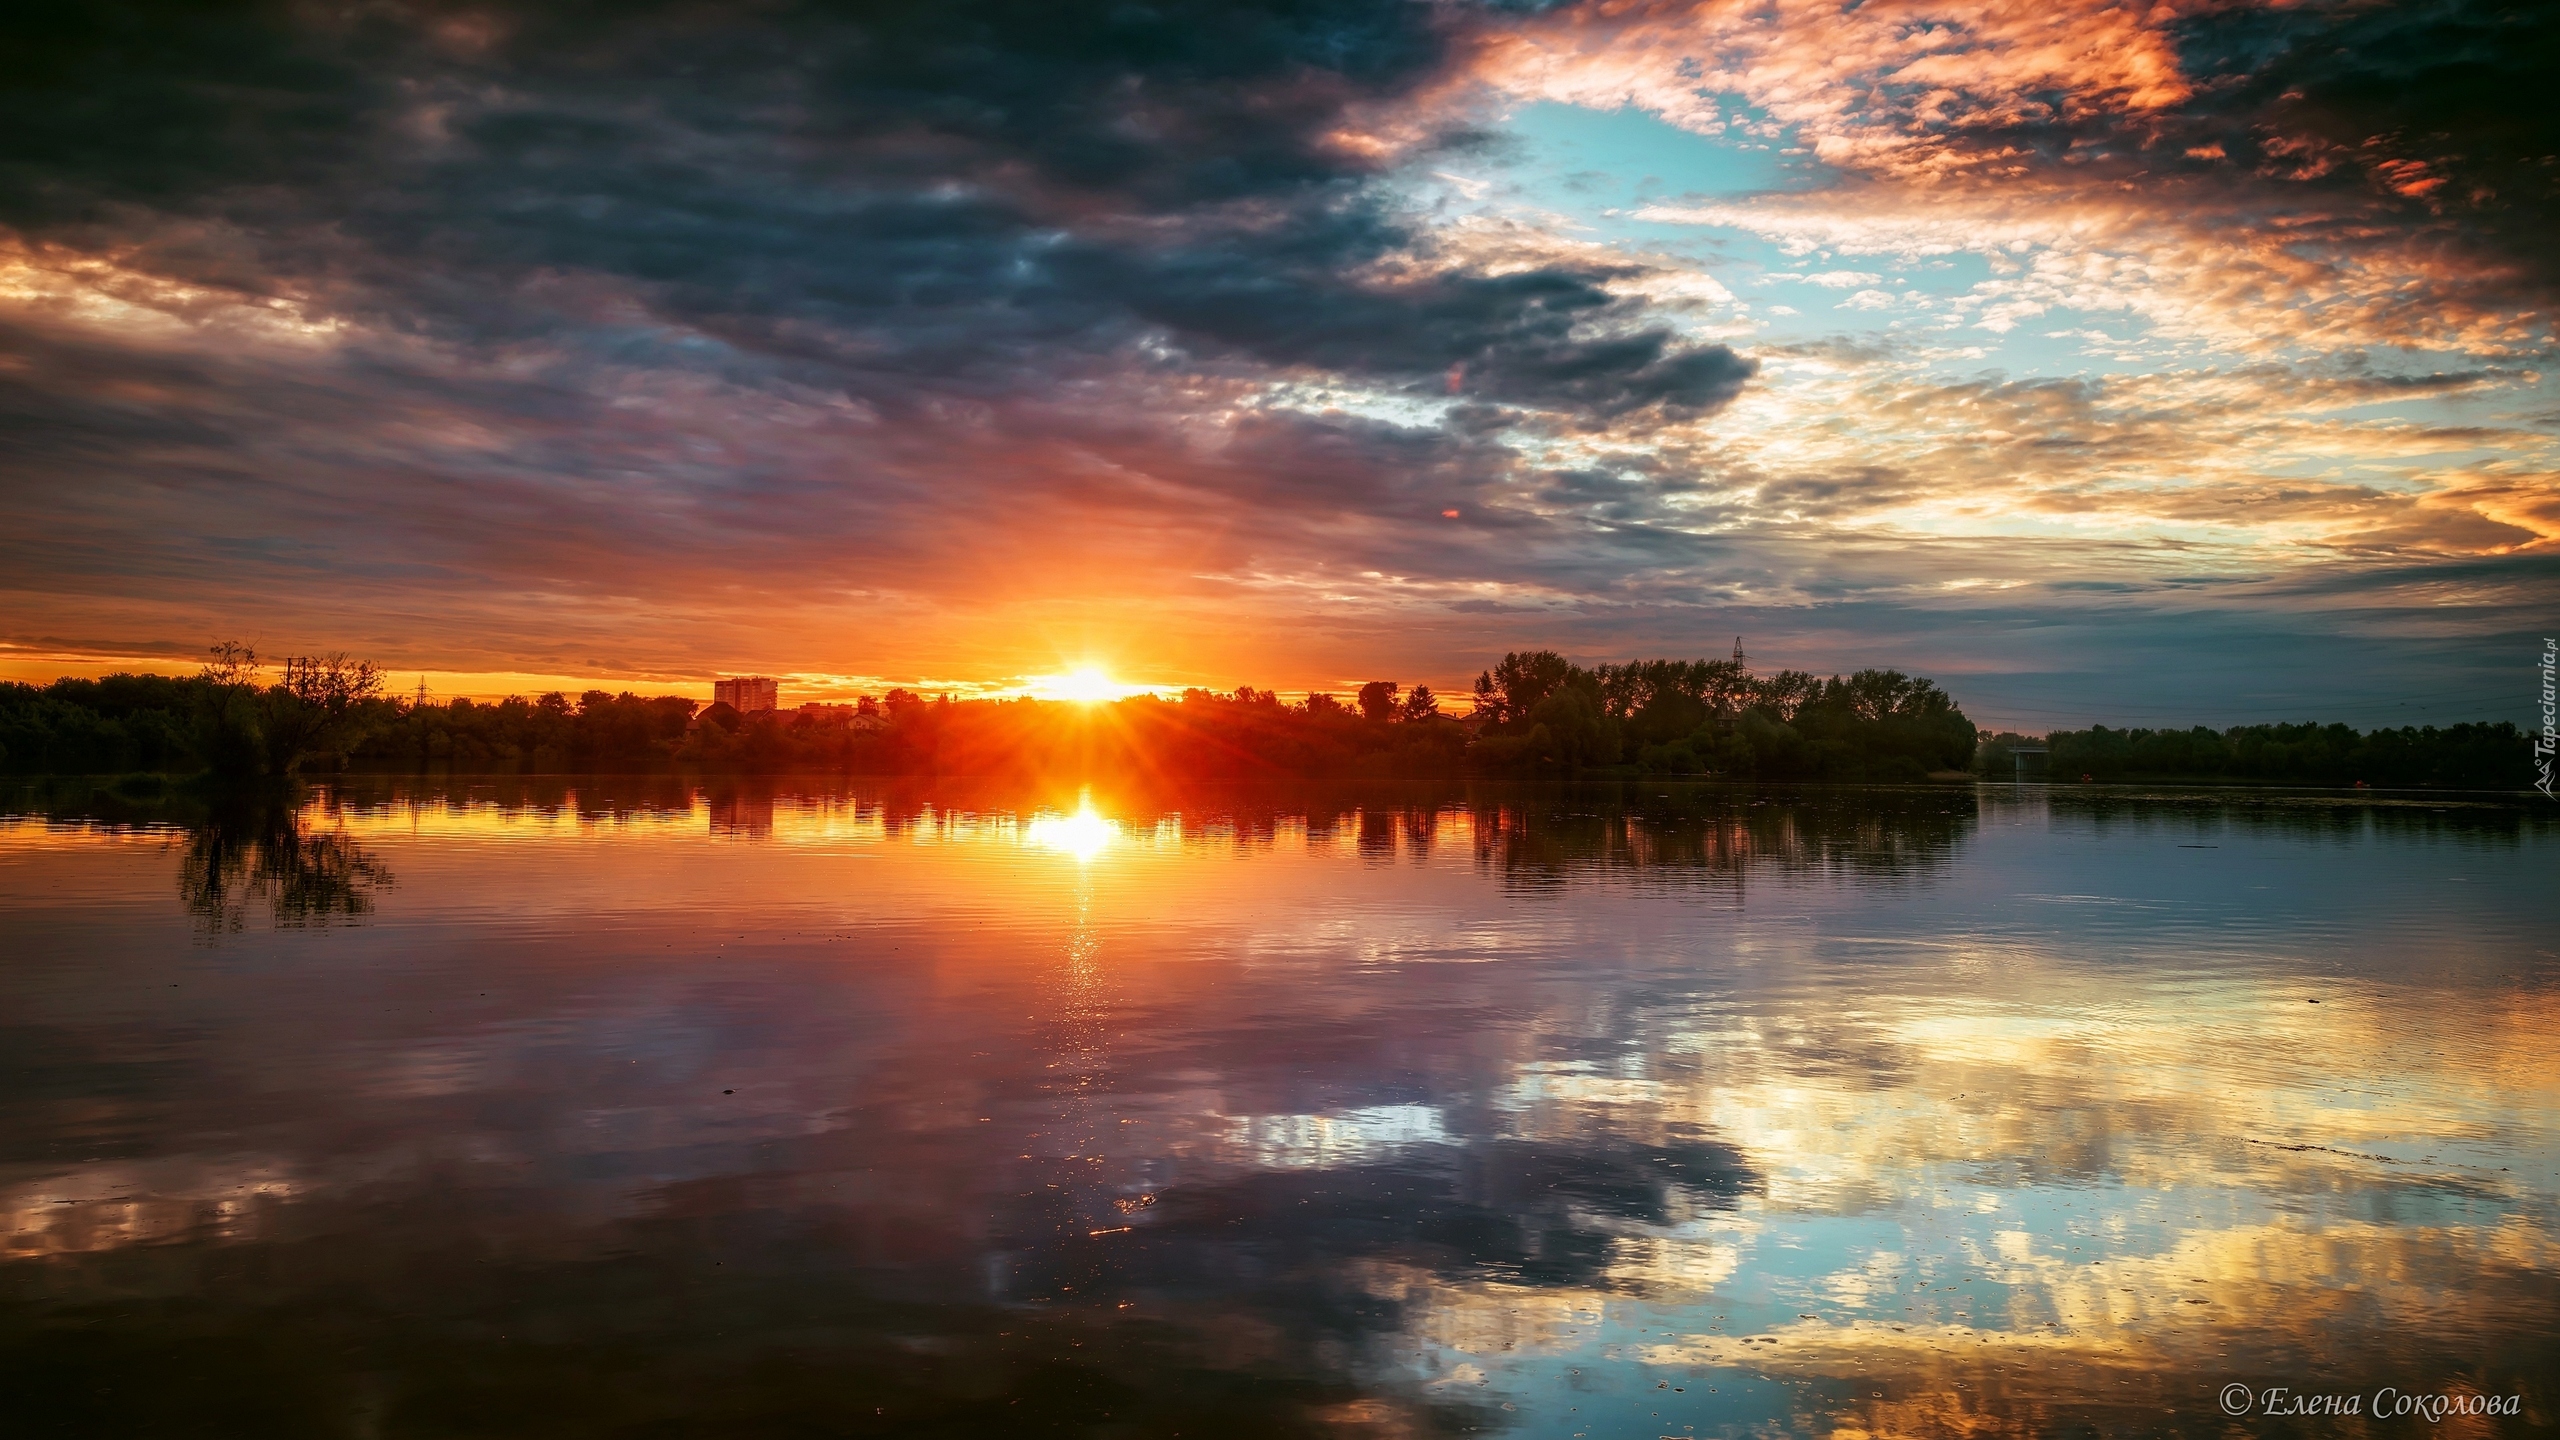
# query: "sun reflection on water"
[1083,834]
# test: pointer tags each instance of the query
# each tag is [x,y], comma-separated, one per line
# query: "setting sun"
[1086,684]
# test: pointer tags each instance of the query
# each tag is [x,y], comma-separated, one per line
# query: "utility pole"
[421,702]
[1738,658]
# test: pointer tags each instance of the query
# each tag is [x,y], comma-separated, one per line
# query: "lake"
[651,1107]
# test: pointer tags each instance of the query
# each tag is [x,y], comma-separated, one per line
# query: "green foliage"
[1510,690]
[2470,756]
[549,733]
[219,720]
[1714,717]
[99,727]
[1665,701]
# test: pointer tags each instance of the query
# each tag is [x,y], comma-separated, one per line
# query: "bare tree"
[334,683]
[230,664]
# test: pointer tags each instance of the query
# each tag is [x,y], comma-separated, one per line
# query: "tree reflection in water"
[259,850]
[1651,835]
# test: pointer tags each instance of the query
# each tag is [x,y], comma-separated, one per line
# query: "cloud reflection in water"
[1906,1111]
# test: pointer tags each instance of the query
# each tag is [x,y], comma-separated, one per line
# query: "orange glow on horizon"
[1085,685]
[972,678]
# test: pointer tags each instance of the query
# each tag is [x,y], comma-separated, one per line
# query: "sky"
[2168,364]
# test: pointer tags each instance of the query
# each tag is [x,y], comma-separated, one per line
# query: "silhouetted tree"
[2470,756]
[320,705]
[230,729]
[1510,690]
[1377,701]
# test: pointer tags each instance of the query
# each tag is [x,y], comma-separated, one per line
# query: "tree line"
[227,719]
[1532,712]
[2472,756]
[1717,718]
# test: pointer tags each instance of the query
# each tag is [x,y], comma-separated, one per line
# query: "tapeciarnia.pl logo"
[2544,743]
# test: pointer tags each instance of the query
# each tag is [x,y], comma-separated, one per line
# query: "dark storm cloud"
[2439,106]
[877,195]
[105,107]
[1340,465]
[1178,103]
[1522,338]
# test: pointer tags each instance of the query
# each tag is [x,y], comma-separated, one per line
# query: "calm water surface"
[630,1108]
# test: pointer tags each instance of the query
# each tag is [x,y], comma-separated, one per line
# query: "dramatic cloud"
[1276,343]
